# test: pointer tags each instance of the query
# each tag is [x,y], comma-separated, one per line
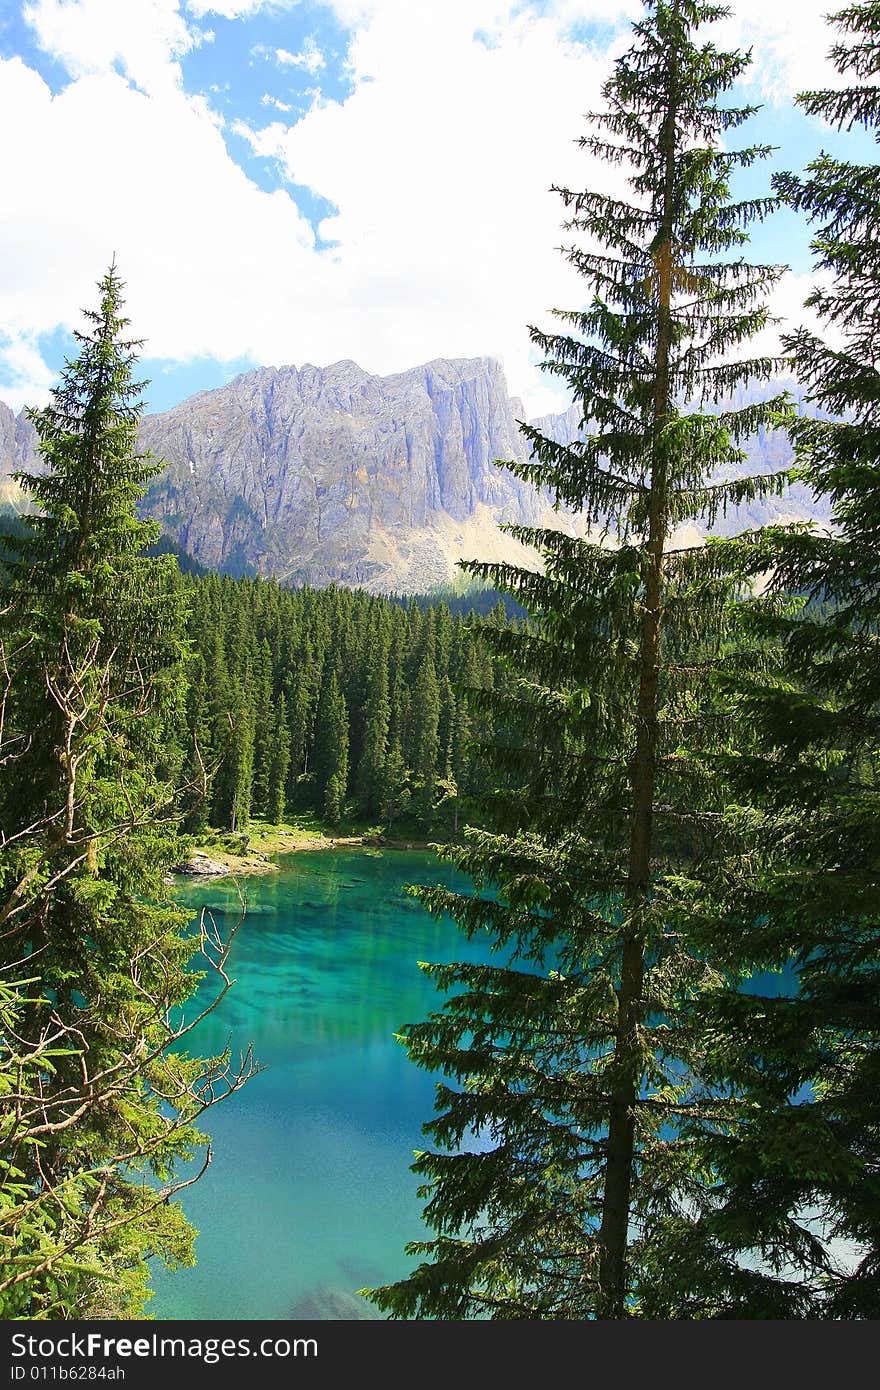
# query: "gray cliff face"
[320,474]
[18,445]
[8,451]
[313,475]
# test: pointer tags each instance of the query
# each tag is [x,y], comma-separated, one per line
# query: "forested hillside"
[332,701]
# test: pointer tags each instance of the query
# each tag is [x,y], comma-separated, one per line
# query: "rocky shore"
[222,863]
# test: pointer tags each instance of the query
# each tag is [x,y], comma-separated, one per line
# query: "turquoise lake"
[310,1196]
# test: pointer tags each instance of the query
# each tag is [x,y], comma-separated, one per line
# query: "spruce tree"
[394,788]
[573,1068]
[302,717]
[424,725]
[377,714]
[264,721]
[793,1225]
[331,749]
[279,756]
[94,957]
[237,770]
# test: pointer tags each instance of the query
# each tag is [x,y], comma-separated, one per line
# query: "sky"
[290,182]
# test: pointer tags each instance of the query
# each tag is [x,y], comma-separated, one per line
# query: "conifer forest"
[656,763]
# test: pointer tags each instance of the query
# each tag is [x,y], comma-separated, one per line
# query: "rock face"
[18,442]
[314,475]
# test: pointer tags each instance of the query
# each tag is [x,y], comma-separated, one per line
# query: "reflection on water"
[310,1196]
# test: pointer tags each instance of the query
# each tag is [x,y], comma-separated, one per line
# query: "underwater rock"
[329,1303]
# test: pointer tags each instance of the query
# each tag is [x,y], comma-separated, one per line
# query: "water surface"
[310,1196]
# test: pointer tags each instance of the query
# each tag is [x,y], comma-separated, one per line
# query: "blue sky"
[284,181]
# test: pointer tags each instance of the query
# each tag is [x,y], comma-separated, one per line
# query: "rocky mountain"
[17,450]
[319,474]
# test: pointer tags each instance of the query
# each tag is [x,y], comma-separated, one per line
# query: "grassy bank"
[255,850]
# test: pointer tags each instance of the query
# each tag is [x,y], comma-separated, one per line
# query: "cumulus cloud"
[142,37]
[265,141]
[461,114]
[789,46]
[445,235]
[787,307]
[202,249]
[28,379]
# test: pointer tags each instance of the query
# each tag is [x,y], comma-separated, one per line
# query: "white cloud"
[311,58]
[235,9]
[264,142]
[203,251]
[28,380]
[787,306]
[143,37]
[446,230]
[438,162]
[789,42]
[268,100]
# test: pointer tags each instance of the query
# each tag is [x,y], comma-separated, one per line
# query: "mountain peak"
[313,474]
[318,474]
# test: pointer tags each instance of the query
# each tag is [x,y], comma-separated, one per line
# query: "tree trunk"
[620,1144]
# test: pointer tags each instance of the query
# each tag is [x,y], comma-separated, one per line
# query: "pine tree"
[573,1065]
[331,749]
[303,701]
[260,649]
[264,720]
[394,789]
[280,765]
[377,715]
[793,1227]
[461,769]
[94,958]
[239,761]
[424,725]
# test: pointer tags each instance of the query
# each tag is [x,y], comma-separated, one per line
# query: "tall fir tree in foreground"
[792,1225]
[94,958]
[560,1151]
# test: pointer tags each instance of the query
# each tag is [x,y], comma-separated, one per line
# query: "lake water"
[309,1196]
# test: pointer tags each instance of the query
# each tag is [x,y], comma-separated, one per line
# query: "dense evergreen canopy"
[333,702]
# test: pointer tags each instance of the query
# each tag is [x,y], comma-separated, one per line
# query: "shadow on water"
[326,1302]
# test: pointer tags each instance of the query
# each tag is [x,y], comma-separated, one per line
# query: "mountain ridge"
[319,475]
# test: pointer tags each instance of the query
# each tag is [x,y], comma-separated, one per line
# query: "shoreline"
[215,863]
